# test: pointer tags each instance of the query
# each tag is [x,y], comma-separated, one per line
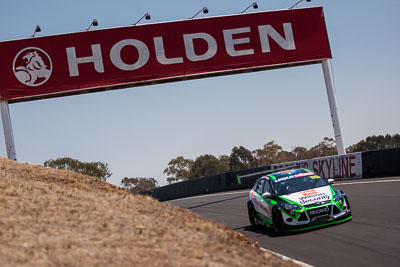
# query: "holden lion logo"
[32,66]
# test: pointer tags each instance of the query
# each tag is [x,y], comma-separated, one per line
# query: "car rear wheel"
[252,215]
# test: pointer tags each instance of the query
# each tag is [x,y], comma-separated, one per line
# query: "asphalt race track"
[372,238]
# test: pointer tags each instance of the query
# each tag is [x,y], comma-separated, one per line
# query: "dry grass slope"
[60,218]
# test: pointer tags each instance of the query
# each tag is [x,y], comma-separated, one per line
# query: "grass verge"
[51,217]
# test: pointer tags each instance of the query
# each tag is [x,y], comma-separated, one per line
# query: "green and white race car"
[296,200]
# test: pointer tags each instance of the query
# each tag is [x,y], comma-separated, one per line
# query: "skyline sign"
[100,60]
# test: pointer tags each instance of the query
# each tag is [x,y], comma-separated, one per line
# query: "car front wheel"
[348,205]
[277,221]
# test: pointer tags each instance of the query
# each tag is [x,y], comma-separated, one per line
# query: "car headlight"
[290,208]
[338,198]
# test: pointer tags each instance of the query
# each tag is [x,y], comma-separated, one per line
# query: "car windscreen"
[296,183]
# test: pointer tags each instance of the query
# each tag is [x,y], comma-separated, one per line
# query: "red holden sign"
[136,55]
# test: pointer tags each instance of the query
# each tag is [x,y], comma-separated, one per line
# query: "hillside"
[50,217]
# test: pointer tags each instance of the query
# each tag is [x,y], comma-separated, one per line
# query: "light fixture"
[94,23]
[37,29]
[254,5]
[204,10]
[298,2]
[145,16]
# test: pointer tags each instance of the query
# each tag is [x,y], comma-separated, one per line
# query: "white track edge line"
[286,258]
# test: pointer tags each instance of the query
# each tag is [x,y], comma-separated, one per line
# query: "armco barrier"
[209,184]
[379,163]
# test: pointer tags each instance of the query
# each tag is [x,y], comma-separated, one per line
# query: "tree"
[97,169]
[285,156]
[375,143]
[327,147]
[241,158]
[225,161]
[178,169]
[299,153]
[268,154]
[206,165]
[139,184]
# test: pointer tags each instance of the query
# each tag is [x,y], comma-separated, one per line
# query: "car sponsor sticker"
[309,192]
[311,198]
[322,210]
[295,176]
[287,172]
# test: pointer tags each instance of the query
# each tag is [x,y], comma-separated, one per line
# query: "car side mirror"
[331,181]
[266,195]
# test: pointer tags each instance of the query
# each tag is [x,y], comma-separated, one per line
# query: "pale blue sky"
[137,131]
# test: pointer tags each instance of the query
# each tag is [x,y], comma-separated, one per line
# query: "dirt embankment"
[50,217]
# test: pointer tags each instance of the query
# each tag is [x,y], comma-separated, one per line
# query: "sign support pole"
[8,132]
[330,90]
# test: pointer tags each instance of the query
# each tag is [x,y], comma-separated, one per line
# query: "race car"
[294,200]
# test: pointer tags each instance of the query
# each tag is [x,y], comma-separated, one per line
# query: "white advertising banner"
[343,166]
